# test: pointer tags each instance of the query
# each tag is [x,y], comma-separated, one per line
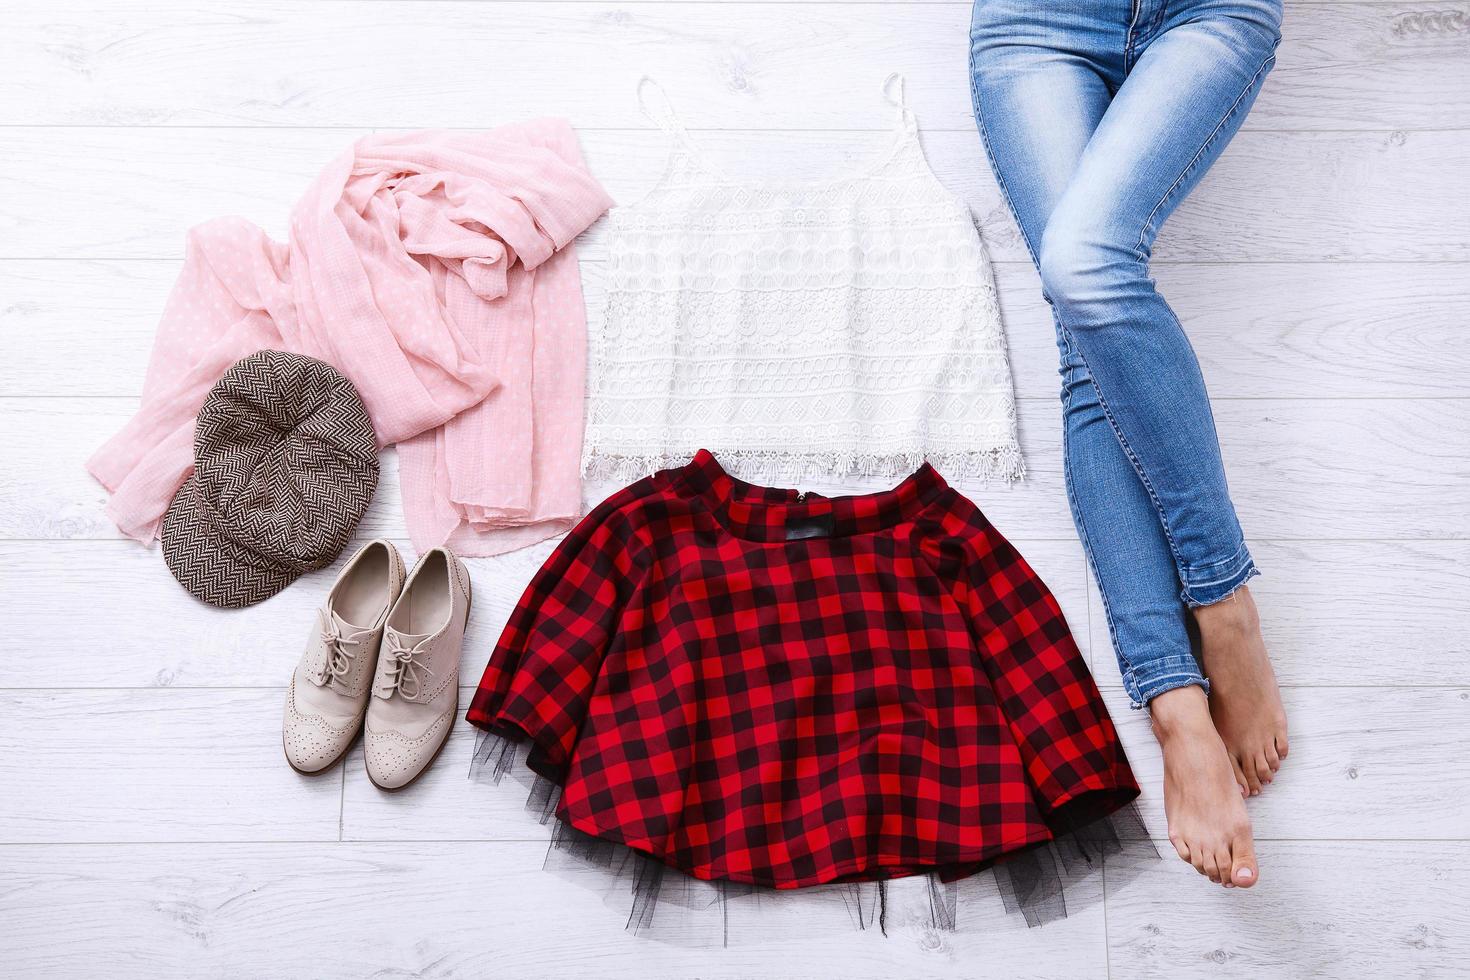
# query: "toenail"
[1246,873]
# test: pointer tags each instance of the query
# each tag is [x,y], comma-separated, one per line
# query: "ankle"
[1234,613]
[1183,712]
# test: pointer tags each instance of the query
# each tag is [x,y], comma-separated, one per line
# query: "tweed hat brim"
[212,566]
[285,465]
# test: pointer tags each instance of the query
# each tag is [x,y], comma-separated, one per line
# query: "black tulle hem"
[1041,882]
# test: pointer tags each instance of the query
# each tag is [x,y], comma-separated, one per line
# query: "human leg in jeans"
[1099,117]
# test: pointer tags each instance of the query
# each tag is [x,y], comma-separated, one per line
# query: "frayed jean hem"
[1215,584]
[1160,676]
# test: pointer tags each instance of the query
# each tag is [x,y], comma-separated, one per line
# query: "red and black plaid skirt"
[783,689]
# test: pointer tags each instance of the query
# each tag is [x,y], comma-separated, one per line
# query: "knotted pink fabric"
[433,269]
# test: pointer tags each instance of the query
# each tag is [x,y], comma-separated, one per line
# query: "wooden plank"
[153,765]
[1354,612]
[1262,330]
[1285,329]
[469,910]
[79,327]
[1299,469]
[1343,172]
[1283,196]
[208,647]
[1327,909]
[141,189]
[1365,764]
[54,497]
[444,804]
[1348,469]
[1341,66]
[1361,767]
[259,647]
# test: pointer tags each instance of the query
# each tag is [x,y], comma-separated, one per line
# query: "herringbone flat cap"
[285,464]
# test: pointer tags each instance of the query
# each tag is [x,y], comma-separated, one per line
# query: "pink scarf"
[433,269]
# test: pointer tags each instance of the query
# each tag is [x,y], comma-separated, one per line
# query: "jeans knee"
[1082,267]
[1063,265]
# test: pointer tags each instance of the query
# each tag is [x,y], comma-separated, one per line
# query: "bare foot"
[1244,700]
[1208,825]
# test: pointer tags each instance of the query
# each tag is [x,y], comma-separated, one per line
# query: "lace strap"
[685,158]
[658,108]
[894,93]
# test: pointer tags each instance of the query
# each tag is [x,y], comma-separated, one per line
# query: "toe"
[1224,862]
[1264,772]
[1245,789]
[1273,758]
[1281,745]
[1212,866]
[1252,781]
[1179,847]
[1243,870]
[1196,855]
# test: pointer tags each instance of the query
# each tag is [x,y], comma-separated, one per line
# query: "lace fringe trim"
[1003,464]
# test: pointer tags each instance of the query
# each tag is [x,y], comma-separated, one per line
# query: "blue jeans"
[1099,117]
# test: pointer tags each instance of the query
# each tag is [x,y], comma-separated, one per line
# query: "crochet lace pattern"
[800,329]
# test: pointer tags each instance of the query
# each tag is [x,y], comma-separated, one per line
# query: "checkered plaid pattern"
[788,689]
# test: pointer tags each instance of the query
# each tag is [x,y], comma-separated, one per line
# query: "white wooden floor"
[148,824]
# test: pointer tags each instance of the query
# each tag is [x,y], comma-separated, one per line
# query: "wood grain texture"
[1363,765]
[1321,910]
[149,826]
[1353,612]
[1348,469]
[1283,329]
[1262,330]
[1317,468]
[1341,66]
[259,647]
[1285,196]
[150,765]
[465,909]
[86,765]
[1359,769]
[175,641]
[49,495]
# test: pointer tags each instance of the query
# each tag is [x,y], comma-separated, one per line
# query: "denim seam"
[1136,9]
[1167,684]
[1005,193]
[1174,669]
[1161,678]
[1247,572]
[1140,694]
[1000,180]
[1133,459]
[1231,561]
[1139,250]
[1235,571]
[1124,663]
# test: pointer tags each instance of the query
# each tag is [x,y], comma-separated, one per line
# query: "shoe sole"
[469,604]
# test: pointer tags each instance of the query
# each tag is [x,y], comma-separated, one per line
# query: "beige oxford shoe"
[415,694]
[329,691]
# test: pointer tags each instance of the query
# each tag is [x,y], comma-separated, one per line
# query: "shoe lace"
[404,667]
[338,661]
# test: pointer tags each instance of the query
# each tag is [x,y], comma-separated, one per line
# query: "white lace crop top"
[800,330]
